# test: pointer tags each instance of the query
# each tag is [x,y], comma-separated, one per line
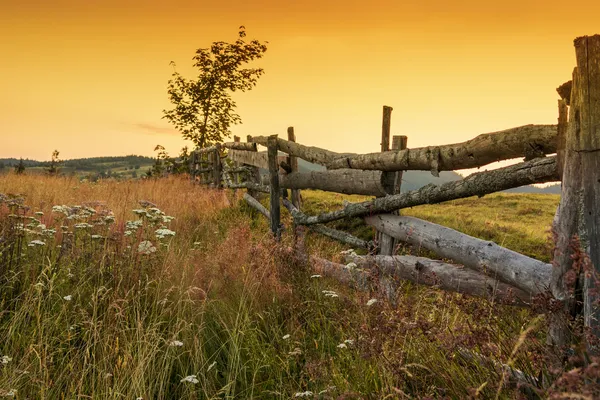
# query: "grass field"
[159,289]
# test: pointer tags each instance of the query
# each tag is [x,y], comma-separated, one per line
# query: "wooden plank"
[518,270]
[540,170]
[275,210]
[255,159]
[293,162]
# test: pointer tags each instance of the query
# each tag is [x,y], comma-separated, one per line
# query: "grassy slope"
[231,296]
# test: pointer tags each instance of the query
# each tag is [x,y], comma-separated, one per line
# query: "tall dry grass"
[220,311]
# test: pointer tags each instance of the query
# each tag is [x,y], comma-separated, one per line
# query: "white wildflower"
[342,346]
[349,341]
[191,379]
[109,219]
[96,237]
[83,225]
[108,375]
[176,343]
[5,360]
[350,266]
[330,293]
[211,366]
[308,393]
[167,218]
[10,393]
[134,225]
[296,352]
[68,297]
[49,232]
[286,337]
[371,302]
[139,211]
[39,213]
[315,276]
[162,233]
[34,243]
[146,247]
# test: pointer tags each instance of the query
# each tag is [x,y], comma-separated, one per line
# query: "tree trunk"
[525,273]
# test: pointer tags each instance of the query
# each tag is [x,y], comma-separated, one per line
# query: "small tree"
[162,159]
[20,167]
[204,109]
[54,163]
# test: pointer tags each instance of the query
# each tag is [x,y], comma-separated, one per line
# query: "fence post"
[274,186]
[577,227]
[293,162]
[236,175]
[254,176]
[386,243]
[217,166]
[192,166]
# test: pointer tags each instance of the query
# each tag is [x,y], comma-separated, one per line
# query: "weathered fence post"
[293,162]
[217,166]
[254,175]
[192,167]
[275,210]
[577,252]
[386,243]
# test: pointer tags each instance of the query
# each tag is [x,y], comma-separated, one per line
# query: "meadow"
[161,289]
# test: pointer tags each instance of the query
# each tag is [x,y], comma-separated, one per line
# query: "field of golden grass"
[160,289]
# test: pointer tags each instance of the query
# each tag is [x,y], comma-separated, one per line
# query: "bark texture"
[529,141]
[530,275]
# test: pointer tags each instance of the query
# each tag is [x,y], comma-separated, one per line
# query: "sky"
[89,78]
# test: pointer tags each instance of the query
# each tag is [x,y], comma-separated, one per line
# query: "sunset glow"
[89,78]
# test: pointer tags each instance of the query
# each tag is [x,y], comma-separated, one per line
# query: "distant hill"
[119,167]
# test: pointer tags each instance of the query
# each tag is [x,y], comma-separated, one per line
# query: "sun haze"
[89,78]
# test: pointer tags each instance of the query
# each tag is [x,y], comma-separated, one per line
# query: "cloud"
[156,129]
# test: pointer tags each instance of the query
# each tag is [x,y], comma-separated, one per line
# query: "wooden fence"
[491,270]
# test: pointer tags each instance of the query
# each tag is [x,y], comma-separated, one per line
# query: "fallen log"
[529,141]
[333,233]
[530,275]
[449,277]
[346,181]
[478,184]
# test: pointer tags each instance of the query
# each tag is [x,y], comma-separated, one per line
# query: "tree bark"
[530,275]
[534,171]
[308,153]
[240,146]
[529,141]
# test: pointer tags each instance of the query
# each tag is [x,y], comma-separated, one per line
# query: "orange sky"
[89,77]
